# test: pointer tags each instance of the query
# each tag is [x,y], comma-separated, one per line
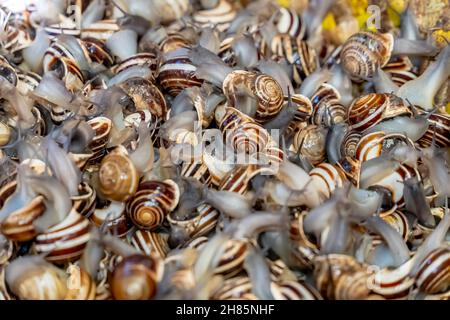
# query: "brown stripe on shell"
[149,242]
[434,272]
[220,17]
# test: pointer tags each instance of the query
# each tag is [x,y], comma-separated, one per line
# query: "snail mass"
[224,149]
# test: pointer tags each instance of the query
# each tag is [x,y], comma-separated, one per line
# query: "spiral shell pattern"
[328,177]
[364,52]
[232,260]
[149,242]
[327,109]
[143,59]
[374,144]
[434,272]
[310,143]
[220,16]
[439,129]
[289,22]
[152,202]
[118,178]
[102,127]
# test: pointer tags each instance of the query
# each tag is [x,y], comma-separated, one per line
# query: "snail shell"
[310,143]
[349,143]
[434,272]
[364,52]
[328,177]
[150,242]
[151,203]
[266,90]
[27,81]
[144,59]
[5,134]
[178,73]
[18,226]
[298,53]
[302,114]
[112,216]
[370,109]
[135,278]
[96,51]
[100,30]
[80,286]
[102,127]
[290,22]
[66,240]
[327,109]
[171,10]
[294,290]
[38,280]
[85,202]
[392,283]
[145,95]
[304,249]
[340,277]
[374,144]
[248,137]
[231,262]
[221,16]
[237,288]
[399,69]
[173,40]
[439,129]
[118,177]
[198,170]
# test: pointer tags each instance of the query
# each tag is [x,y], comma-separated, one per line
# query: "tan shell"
[80,286]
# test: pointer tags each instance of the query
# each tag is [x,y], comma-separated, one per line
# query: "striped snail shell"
[304,249]
[100,30]
[294,290]
[290,22]
[5,134]
[66,240]
[133,120]
[102,127]
[349,143]
[151,203]
[197,169]
[32,278]
[434,272]
[375,144]
[27,81]
[266,90]
[247,137]
[150,242]
[172,41]
[364,52]
[221,16]
[392,283]
[171,10]
[177,72]
[118,177]
[298,53]
[370,109]
[18,226]
[142,59]
[96,51]
[327,109]
[302,114]
[145,95]
[399,69]
[340,277]
[80,286]
[237,288]
[328,177]
[113,216]
[231,262]
[310,143]
[84,202]
[439,129]
[135,278]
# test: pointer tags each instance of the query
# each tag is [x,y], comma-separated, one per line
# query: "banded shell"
[375,144]
[327,109]
[199,170]
[392,283]
[135,278]
[232,260]
[399,69]
[237,288]
[304,249]
[143,59]
[66,240]
[327,177]
[151,203]
[434,272]
[100,30]
[102,127]
[118,177]
[288,21]
[18,226]
[267,92]
[220,17]
[84,202]
[177,72]
[310,143]
[372,108]
[439,129]
[96,51]
[171,10]
[113,217]
[172,41]
[350,142]
[298,53]
[145,95]
[364,52]
[302,114]
[150,242]
[294,290]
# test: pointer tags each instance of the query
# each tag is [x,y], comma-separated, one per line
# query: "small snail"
[118,177]
[135,278]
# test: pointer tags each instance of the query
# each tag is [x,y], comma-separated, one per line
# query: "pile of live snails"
[348,200]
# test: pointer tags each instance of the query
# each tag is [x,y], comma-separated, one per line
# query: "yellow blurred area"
[284,3]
